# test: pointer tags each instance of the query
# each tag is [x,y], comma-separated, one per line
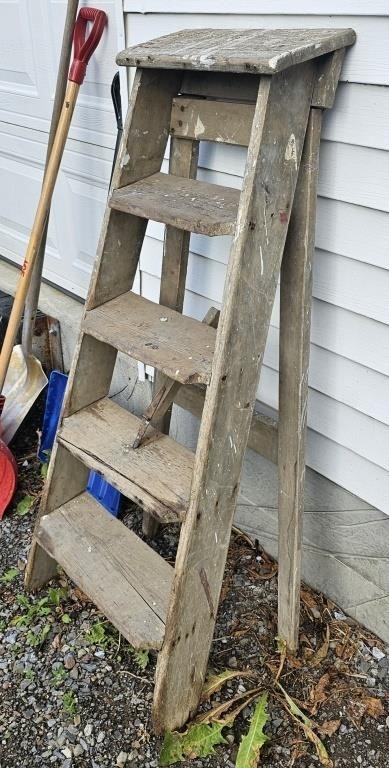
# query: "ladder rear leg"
[295,322]
[183,162]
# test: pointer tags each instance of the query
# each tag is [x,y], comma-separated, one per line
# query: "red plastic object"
[8,477]
[84,47]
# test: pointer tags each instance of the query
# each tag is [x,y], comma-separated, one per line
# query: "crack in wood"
[205,584]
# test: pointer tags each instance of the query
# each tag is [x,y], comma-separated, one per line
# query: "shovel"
[25,378]
[83,49]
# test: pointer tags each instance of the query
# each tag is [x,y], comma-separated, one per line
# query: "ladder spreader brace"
[263,89]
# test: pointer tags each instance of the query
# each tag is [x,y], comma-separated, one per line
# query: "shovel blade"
[24,383]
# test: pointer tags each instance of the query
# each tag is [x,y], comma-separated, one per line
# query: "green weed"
[69,703]
[58,676]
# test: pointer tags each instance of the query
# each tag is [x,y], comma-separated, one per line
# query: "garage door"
[30,41]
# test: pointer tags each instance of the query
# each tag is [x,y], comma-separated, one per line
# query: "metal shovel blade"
[24,382]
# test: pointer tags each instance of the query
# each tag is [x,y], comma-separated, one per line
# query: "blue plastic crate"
[102,491]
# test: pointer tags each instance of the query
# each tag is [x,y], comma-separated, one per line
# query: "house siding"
[348,415]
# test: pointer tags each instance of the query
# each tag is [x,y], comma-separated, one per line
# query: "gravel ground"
[73,693]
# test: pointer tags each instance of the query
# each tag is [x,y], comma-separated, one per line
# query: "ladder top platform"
[259,51]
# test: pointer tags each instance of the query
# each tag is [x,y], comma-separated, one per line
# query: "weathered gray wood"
[167,393]
[177,345]
[209,120]
[329,69]
[157,475]
[160,404]
[91,373]
[196,206]
[221,85]
[141,153]
[271,173]
[264,51]
[295,321]
[125,578]
[182,162]
[66,478]
[263,437]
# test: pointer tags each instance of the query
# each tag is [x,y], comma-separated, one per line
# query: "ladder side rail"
[273,159]
[140,155]
[66,478]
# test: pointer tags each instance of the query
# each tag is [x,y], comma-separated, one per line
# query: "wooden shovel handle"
[38,227]
[83,49]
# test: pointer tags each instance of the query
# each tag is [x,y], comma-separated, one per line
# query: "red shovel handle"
[84,47]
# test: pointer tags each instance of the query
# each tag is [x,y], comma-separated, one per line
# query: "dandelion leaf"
[198,741]
[214,682]
[307,726]
[171,751]
[251,744]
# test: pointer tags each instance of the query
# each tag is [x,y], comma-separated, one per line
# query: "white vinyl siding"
[348,417]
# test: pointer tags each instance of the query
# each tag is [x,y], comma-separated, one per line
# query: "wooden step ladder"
[264,90]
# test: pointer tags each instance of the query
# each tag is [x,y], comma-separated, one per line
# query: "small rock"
[11,638]
[377,653]
[232,662]
[67,752]
[100,737]
[387,721]
[74,673]
[18,667]
[84,745]
[69,661]
[78,750]
[370,681]
[88,730]
[121,759]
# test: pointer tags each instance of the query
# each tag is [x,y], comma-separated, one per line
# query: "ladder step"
[126,579]
[157,475]
[179,346]
[207,209]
